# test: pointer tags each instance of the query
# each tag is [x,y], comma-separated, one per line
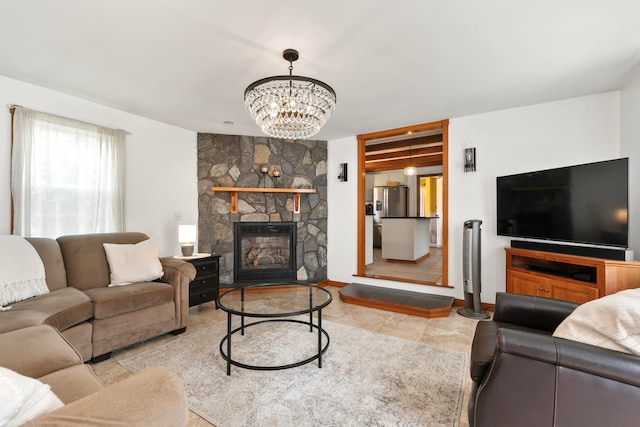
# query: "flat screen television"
[583,203]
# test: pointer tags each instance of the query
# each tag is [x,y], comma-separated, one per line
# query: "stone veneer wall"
[237,161]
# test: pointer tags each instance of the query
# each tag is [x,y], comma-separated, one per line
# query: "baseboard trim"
[485,305]
[333,283]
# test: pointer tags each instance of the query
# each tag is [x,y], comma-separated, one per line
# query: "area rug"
[366,379]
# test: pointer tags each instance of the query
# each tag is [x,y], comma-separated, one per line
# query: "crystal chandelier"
[290,107]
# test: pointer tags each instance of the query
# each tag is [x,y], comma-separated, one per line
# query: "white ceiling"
[391,63]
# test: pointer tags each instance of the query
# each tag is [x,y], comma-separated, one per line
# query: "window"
[67,177]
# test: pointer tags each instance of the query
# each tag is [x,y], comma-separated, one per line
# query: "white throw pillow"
[611,322]
[133,263]
[24,398]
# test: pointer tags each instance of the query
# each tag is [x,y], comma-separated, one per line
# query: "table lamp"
[187,236]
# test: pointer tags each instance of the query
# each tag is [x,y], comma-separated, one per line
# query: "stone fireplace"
[264,252]
[252,162]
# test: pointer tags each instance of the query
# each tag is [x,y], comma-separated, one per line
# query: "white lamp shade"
[187,233]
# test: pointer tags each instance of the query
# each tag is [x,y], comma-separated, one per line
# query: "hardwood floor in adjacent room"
[428,270]
[454,333]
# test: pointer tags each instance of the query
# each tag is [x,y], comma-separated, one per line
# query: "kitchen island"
[405,238]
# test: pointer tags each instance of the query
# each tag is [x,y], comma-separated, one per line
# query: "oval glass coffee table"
[274,302]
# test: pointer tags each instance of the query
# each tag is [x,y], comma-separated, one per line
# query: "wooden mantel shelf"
[235,190]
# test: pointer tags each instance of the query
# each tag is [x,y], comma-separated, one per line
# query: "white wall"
[342,202]
[517,140]
[161,173]
[543,136]
[630,147]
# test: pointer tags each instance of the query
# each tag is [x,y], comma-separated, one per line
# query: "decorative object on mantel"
[263,178]
[187,236]
[273,171]
[290,107]
[235,190]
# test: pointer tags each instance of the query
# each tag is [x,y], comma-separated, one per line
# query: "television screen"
[583,203]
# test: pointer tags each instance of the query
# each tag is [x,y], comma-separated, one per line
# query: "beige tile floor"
[454,332]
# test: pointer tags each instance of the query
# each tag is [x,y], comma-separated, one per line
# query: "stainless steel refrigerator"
[387,202]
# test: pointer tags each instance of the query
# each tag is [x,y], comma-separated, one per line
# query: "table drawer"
[205,267]
[204,282]
[202,296]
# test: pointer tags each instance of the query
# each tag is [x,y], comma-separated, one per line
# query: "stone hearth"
[239,161]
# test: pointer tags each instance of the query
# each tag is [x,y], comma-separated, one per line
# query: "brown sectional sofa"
[154,397]
[94,318]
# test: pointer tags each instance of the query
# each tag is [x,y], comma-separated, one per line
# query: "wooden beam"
[435,160]
[430,139]
[406,153]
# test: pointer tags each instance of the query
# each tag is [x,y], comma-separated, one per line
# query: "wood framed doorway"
[394,150]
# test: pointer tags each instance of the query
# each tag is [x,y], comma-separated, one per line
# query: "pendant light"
[410,170]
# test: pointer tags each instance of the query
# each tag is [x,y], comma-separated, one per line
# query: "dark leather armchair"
[523,376]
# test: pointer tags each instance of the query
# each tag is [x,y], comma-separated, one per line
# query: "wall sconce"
[470,159]
[343,172]
[187,234]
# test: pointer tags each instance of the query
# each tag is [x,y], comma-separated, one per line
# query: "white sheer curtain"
[67,177]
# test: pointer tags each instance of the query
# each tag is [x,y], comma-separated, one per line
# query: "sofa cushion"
[85,259]
[24,398]
[114,301]
[73,383]
[611,322]
[133,263]
[61,309]
[154,397]
[22,351]
[49,251]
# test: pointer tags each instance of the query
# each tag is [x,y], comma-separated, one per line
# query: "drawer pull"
[543,289]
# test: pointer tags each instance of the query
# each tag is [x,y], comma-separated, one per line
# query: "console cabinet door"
[534,285]
[572,292]
[525,284]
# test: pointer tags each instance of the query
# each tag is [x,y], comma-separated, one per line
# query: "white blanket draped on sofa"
[21,271]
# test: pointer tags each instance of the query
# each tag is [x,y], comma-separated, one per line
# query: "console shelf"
[567,277]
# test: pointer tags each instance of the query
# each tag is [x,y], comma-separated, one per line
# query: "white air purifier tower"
[471,271]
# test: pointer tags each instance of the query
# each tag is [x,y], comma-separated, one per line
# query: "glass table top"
[274,300]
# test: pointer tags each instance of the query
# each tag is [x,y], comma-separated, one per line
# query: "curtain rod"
[16,105]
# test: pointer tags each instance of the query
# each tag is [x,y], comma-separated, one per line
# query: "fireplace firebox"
[264,252]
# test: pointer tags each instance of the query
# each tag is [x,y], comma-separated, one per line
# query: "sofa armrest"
[37,351]
[537,379]
[154,397]
[179,274]
[531,312]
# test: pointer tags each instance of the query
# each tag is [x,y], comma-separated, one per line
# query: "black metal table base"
[226,355]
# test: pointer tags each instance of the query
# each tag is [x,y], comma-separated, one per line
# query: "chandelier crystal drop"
[290,107]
